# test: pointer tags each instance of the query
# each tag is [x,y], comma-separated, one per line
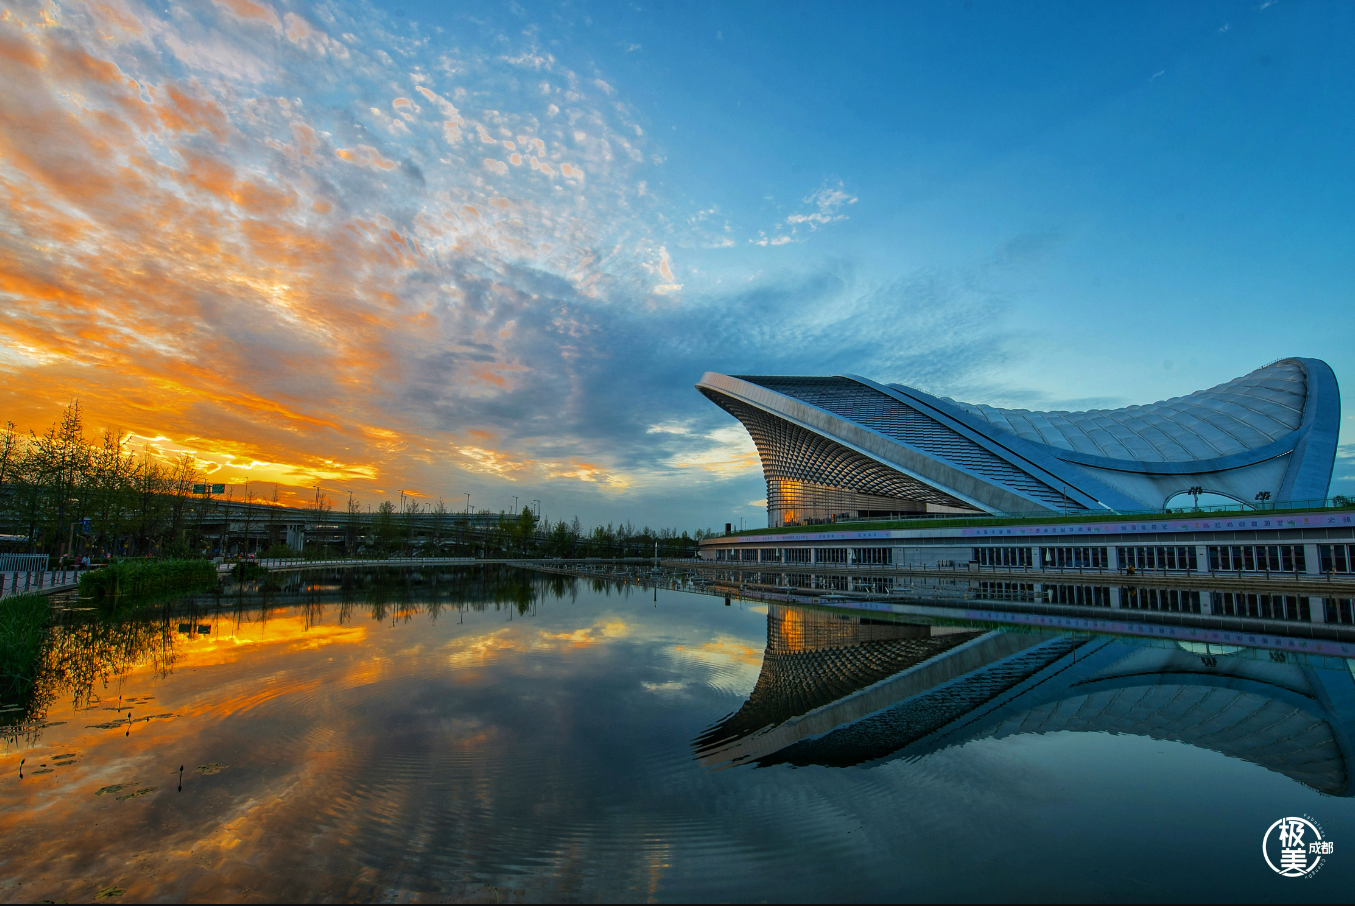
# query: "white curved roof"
[1241,415]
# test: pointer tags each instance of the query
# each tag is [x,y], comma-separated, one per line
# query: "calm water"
[498,737]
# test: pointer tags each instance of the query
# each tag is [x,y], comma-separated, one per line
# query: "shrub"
[138,577]
[246,569]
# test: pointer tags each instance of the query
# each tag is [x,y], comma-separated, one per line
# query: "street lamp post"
[70,540]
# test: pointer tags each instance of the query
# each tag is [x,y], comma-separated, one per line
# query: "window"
[1339,610]
[872,556]
[1262,607]
[1011,557]
[1257,558]
[1157,558]
[796,554]
[1007,591]
[830,555]
[1074,557]
[1168,599]
[770,555]
[1082,595]
[1336,558]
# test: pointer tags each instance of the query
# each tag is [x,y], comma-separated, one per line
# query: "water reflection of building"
[827,696]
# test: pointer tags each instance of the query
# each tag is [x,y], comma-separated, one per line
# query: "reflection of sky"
[488,248]
[550,756]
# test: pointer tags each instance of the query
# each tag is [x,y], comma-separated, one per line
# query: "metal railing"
[23,563]
[1276,507]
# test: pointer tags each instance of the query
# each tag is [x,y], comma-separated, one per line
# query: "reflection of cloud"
[732,663]
[227,642]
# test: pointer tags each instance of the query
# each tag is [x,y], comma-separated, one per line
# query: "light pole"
[70,541]
[468,503]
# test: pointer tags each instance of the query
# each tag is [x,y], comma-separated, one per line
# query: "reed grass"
[23,632]
[130,578]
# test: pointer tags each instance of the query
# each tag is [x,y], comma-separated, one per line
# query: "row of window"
[1083,595]
[1003,556]
[1169,599]
[1288,558]
[1074,557]
[1265,607]
[1337,558]
[1007,591]
[860,556]
[1158,558]
[1257,557]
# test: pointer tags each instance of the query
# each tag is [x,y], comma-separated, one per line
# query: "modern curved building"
[846,447]
[839,692]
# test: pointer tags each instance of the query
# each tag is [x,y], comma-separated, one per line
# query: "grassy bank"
[129,578]
[23,625]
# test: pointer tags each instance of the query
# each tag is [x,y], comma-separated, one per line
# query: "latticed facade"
[846,447]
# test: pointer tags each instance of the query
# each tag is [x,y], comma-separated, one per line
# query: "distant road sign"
[218,489]
[199,489]
[204,489]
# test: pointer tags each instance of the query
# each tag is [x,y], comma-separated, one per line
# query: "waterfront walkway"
[43,582]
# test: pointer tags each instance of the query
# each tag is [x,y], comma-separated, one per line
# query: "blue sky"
[1060,206]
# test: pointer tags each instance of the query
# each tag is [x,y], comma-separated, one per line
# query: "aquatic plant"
[23,625]
[126,578]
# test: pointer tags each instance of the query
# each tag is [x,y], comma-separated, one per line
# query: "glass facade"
[1008,591]
[1003,556]
[1083,595]
[1258,558]
[1074,557]
[1173,600]
[1336,558]
[1339,610]
[1265,607]
[872,556]
[1158,558]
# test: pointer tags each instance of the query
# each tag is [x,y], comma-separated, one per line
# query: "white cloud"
[827,202]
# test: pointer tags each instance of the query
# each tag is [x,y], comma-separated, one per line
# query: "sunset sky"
[489,248]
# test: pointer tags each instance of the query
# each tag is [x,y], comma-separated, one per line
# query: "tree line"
[66,495]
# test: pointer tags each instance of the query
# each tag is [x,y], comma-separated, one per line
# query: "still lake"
[501,736]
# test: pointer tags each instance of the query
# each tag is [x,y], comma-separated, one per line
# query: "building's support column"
[1035,558]
[1112,558]
[1202,558]
[1115,597]
[1206,604]
[1317,609]
[1313,566]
